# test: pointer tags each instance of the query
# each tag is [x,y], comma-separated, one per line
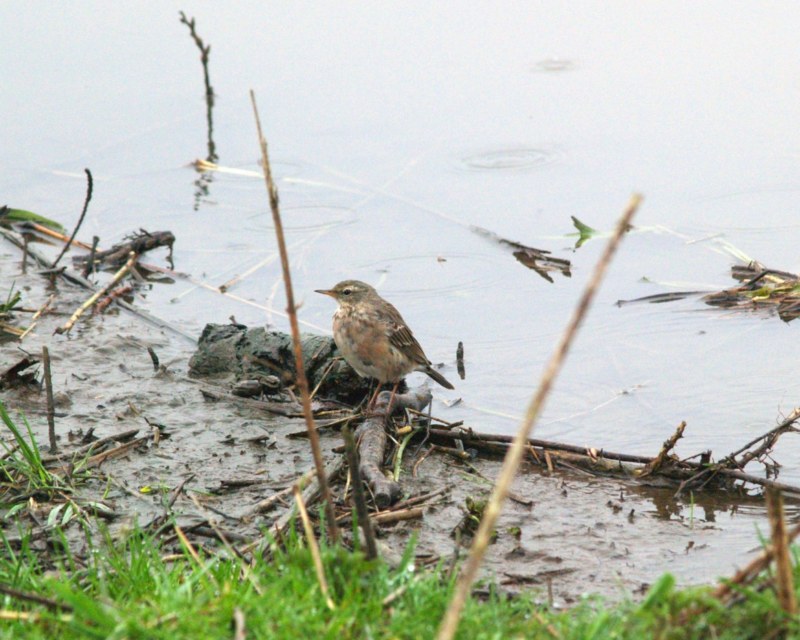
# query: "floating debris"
[763,289]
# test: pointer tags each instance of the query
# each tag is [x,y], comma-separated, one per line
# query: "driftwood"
[762,289]
[76,278]
[668,468]
[372,442]
[137,243]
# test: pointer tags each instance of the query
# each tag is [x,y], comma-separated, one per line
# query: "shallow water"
[394,131]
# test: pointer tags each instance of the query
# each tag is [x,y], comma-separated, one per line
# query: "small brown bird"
[373,337]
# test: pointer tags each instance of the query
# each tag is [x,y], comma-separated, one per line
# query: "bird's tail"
[438,377]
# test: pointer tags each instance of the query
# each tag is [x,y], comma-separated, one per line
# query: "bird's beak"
[326,292]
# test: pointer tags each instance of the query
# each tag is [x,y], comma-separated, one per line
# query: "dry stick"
[358,494]
[51,410]
[397,516]
[36,316]
[98,294]
[239,626]
[25,255]
[790,419]
[89,188]
[89,268]
[34,597]
[451,618]
[783,557]
[153,358]
[756,566]
[302,381]
[89,448]
[313,547]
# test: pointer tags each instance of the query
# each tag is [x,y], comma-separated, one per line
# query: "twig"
[98,294]
[100,458]
[768,441]
[205,50]
[358,494]
[267,503]
[239,626]
[668,445]
[396,516]
[313,547]
[37,315]
[89,188]
[783,556]
[51,410]
[188,546]
[89,268]
[302,381]
[309,494]
[451,618]
[25,255]
[34,597]
[755,567]
[91,446]
[153,357]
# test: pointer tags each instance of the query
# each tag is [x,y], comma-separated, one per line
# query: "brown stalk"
[37,315]
[98,294]
[747,574]
[783,556]
[86,201]
[511,462]
[291,309]
[358,494]
[313,547]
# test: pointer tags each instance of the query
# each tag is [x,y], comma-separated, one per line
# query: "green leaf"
[584,232]
[21,215]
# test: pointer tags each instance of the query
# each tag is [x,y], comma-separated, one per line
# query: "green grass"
[130,590]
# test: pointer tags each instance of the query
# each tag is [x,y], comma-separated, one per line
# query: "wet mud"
[566,533]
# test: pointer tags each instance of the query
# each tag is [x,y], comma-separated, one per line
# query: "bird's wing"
[401,337]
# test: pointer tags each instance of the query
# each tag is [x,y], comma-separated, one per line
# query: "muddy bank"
[575,533]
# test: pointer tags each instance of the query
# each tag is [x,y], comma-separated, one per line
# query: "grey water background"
[394,129]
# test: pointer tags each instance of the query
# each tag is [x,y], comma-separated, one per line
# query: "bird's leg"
[391,398]
[371,403]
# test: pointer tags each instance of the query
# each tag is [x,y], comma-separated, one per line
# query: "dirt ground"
[567,532]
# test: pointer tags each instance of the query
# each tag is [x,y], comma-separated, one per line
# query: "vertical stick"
[89,268]
[24,254]
[451,618]
[783,557]
[86,201]
[51,411]
[313,547]
[358,493]
[291,309]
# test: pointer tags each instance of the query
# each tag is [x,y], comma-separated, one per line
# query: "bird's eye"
[347,292]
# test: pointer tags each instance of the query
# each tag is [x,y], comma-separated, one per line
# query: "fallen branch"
[89,448]
[358,494]
[98,294]
[750,572]
[686,473]
[372,442]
